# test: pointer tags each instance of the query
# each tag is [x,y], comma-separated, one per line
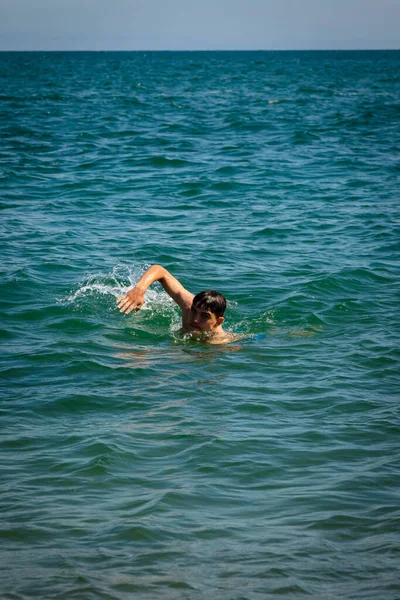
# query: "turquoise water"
[135,463]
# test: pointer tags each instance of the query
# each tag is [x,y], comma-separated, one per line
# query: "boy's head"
[207,310]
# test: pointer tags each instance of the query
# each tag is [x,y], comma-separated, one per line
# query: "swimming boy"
[201,314]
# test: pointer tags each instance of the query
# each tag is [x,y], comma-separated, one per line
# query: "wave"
[101,290]
[115,284]
[299,313]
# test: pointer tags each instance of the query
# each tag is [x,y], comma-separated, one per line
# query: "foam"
[122,278]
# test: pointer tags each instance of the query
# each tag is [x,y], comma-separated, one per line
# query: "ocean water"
[139,464]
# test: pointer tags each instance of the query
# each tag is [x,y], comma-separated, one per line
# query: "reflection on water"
[145,356]
[168,377]
[163,368]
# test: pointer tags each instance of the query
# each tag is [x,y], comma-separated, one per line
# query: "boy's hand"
[133,300]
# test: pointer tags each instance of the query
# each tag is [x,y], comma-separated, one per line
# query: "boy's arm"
[134,299]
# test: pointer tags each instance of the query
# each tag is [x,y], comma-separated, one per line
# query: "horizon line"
[206,50]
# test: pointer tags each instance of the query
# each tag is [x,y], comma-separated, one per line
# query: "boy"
[201,314]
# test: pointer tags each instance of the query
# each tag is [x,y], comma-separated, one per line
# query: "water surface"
[138,463]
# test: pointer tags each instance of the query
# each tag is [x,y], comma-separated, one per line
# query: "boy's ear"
[220,320]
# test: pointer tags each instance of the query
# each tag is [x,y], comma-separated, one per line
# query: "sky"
[199,24]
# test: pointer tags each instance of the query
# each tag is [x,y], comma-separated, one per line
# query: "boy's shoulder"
[225,338]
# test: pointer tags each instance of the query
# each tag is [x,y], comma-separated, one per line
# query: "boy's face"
[202,319]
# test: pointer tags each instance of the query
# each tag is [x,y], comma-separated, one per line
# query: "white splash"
[114,284]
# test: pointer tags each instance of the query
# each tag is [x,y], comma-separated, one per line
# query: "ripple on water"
[156,465]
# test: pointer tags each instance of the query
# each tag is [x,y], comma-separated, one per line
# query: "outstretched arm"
[134,299]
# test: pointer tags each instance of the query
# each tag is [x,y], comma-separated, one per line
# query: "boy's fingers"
[126,309]
[130,308]
[125,302]
[122,308]
[126,305]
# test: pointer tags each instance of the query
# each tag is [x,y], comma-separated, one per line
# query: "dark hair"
[212,300]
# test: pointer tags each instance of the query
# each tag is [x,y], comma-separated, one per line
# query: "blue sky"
[200,24]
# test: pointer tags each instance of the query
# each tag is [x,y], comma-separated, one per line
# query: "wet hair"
[211,300]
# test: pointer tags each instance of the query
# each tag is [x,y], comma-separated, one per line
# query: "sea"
[138,462]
